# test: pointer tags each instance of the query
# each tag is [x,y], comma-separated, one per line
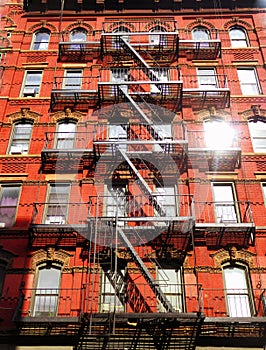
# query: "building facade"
[132,175]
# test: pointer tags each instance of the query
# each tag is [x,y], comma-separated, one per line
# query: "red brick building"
[132,175]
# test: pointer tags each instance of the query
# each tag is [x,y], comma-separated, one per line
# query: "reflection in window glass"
[41,41]
[66,133]
[200,33]
[225,205]
[20,138]
[57,207]
[238,37]
[248,81]
[258,135]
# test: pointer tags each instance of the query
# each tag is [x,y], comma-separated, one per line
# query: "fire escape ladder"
[143,183]
[146,273]
[140,61]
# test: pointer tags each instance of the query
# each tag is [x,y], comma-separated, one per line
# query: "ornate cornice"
[232,254]
[236,21]
[50,255]
[255,113]
[42,25]
[24,113]
[67,114]
[78,24]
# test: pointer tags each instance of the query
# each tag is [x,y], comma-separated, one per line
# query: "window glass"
[78,35]
[73,79]
[156,38]
[9,196]
[57,206]
[237,292]
[248,81]
[41,40]
[258,135]
[47,291]
[116,39]
[66,133]
[119,75]
[225,204]
[20,138]
[200,33]
[207,78]
[238,37]
[32,82]
[264,191]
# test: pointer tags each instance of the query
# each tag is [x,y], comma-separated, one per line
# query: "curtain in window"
[8,205]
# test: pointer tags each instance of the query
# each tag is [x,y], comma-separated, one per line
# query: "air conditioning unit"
[55,220]
[29,92]
[2,224]
[16,150]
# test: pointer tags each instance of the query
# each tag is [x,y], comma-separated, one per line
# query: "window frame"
[20,148]
[208,86]
[263,187]
[201,29]
[77,31]
[36,295]
[33,89]
[249,293]
[69,71]
[58,219]
[35,42]
[231,204]
[238,40]
[67,139]
[254,136]
[244,83]
[15,206]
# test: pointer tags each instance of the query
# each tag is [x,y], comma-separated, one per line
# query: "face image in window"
[9,196]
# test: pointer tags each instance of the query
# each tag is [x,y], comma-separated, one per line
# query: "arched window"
[200,33]
[20,138]
[78,35]
[46,292]
[239,299]
[238,37]
[258,135]
[40,40]
[157,38]
[116,38]
[66,134]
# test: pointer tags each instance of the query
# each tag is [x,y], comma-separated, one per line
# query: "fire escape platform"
[75,98]
[217,159]
[200,50]
[202,98]
[78,51]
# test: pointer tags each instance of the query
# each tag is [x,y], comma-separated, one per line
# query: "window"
[112,291]
[166,199]
[207,78]
[45,298]
[65,137]
[238,37]
[73,79]
[40,40]
[3,266]
[200,33]
[21,135]
[237,289]
[258,136]
[161,75]
[157,38]
[119,75]
[218,134]
[116,39]
[225,204]
[264,191]
[116,201]
[170,282]
[248,81]
[57,204]
[9,197]
[32,83]
[78,35]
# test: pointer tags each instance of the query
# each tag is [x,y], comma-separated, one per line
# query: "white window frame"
[170,282]
[57,203]
[119,75]
[31,89]
[66,139]
[39,45]
[263,187]
[238,292]
[157,38]
[20,142]
[200,33]
[46,293]
[258,136]
[6,209]
[226,210]
[248,80]
[76,32]
[72,75]
[207,78]
[115,41]
[238,42]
